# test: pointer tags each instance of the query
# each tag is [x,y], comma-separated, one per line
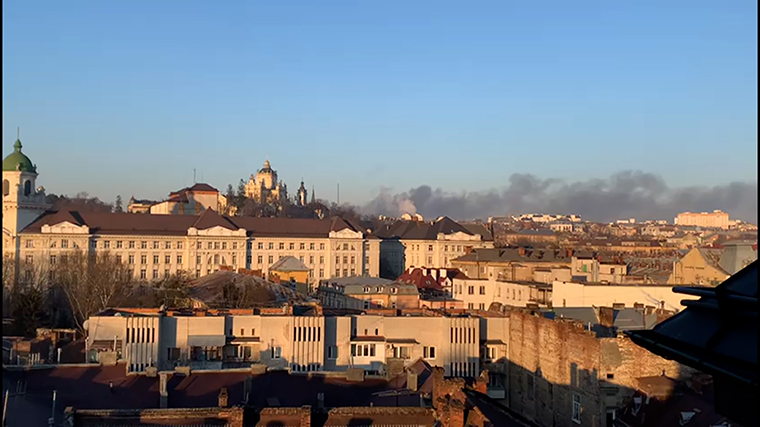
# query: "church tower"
[22,202]
[302,196]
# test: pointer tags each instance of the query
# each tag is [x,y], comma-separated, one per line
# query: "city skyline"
[382,100]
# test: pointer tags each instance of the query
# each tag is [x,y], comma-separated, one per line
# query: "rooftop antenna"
[18,133]
[339,194]
[194,181]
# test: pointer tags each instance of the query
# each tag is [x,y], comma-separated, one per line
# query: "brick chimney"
[521,251]
[456,414]
[606,316]
[305,414]
[481,384]
[224,398]
[569,252]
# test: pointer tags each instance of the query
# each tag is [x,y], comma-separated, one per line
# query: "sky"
[130,97]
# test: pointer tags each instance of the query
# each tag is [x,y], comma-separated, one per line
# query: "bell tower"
[22,202]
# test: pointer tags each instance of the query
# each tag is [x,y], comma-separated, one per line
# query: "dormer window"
[394,290]
[367,289]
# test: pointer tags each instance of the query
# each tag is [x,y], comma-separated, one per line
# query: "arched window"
[27,188]
[6,187]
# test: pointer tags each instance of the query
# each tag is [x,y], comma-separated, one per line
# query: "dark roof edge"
[663,346]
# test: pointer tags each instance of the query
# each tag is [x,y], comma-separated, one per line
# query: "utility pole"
[338,194]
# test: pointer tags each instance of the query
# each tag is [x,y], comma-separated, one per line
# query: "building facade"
[238,338]
[714,219]
[409,244]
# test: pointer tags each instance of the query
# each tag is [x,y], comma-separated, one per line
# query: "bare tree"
[92,283]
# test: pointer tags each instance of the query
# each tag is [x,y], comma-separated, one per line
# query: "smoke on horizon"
[627,194]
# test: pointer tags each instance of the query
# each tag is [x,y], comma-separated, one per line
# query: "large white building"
[155,246]
[239,338]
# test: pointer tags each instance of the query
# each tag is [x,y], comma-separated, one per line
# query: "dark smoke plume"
[628,194]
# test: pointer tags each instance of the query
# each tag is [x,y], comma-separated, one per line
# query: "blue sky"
[128,97]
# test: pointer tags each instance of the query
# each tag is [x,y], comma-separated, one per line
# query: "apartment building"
[714,219]
[434,244]
[514,264]
[277,339]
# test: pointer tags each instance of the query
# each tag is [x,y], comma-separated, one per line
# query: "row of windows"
[457,248]
[144,244]
[463,336]
[363,350]
[481,306]
[307,333]
[463,369]
[141,335]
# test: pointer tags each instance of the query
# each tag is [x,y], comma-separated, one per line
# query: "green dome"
[17,161]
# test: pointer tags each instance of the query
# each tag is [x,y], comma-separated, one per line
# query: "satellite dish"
[86,325]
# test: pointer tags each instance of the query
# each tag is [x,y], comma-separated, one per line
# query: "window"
[155,245]
[64,243]
[131,259]
[234,245]
[282,245]
[155,274]
[224,245]
[155,259]
[143,259]
[471,290]
[131,244]
[321,272]
[353,259]
[345,272]
[179,245]
[167,245]
[271,259]
[118,244]
[470,305]
[172,353]
[482,290]
[260,259]
[143,245]
[30,259]
[321,246]
[311,259]
[197,273]
[576,408]
[143,274]
[300,258]
[216,245]
[430,248]
[179,259]
[610,376]
[216,259]
[234,260]
[276,352]
[260,245]
[167,259]
[401,352]
[311,246]
[292,246]
[106,244]
[332,352]
[428,352]
[482,306]
[167,273]
[53,259]
[345,259]
[94,244]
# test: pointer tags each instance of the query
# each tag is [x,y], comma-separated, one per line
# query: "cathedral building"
[263,186]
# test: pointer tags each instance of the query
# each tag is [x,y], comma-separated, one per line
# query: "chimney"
[569,252]
[162,391]
[456,414]
[223,398]
[521,251]
[606,316]
[411,380]
[481,384]
[320,401]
